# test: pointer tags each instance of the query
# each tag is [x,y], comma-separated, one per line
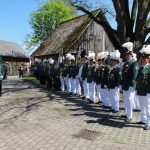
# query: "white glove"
[1,76]
[131,88]
[105,86]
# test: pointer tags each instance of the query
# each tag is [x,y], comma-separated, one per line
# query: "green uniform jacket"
[72,70]
[129,74]
[98,75]
[143,81]
[41,71]
[114,77]
[90,73]
[104,74]
[64,70]
[84,71]
[1,71]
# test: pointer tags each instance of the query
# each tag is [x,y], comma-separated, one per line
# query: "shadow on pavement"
[103,116]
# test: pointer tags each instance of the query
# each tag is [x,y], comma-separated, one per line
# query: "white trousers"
[136,105]
[67,82]
[98,90]
[72,85]
[129,97]
[62,84]
[77,86]
[85,88]
[105,97]
[145,108]
[91,91]
[114,98]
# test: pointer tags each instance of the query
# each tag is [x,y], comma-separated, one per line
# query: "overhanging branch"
[147,31]
[148,22]
[101,20]
[133,12]
[141,19]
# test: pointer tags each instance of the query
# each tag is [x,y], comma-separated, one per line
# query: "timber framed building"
[13,55]
[69,36]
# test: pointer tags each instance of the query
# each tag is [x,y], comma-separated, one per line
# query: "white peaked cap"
[110,53]
[45,60]
[91,55]
[39,60]
[103,55]
[116,54]
[36,60]
[145,49]
[98,55]
[68,55]
[128,45]
[72,57]
[134,56]
[51,61]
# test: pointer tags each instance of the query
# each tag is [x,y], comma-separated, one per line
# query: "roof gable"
[64,35]
[11,49]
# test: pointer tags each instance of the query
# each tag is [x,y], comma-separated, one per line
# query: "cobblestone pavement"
[35,118]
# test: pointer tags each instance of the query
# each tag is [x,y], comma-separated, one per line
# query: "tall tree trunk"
[132,27]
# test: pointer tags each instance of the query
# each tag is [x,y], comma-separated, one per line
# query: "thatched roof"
[10,49]
[64,35]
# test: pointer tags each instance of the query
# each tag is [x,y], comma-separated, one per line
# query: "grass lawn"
[29,78]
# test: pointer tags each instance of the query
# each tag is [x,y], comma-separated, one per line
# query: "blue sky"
[14,19]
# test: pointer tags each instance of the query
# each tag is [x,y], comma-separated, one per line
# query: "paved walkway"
[33,118]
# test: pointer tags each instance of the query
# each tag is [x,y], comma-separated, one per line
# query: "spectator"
[21,71]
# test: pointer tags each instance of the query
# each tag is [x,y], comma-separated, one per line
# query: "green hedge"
[30,78]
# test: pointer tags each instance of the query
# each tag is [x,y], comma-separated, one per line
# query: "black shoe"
[71,93]
[75,94]
[83,97]
[107,107]
[111,110]
[140,122]
[90,101]
[115,111]
[123,116]
[136,110]
[147,127]
[128,120]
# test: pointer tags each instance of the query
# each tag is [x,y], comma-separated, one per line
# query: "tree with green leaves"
[132,19]
[46,19]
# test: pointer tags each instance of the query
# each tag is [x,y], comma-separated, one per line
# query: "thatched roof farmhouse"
[69,36]
[14,55]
